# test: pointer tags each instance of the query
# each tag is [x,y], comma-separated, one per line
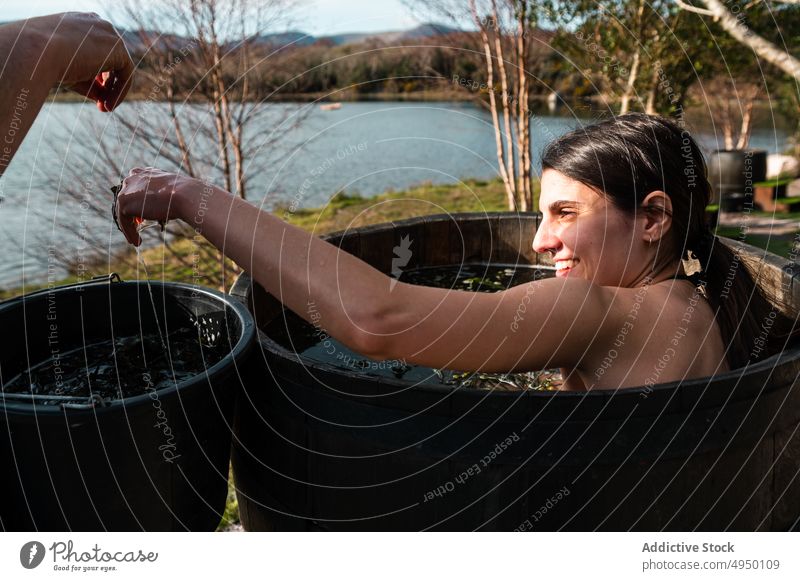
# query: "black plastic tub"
[157,461]
[320,448]
[733,173]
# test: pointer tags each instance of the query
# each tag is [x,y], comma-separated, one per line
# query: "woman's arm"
[38,54]
[545,323]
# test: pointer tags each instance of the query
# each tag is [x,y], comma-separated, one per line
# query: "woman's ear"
[657,216]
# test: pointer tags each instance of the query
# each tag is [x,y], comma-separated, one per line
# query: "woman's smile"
[564,266]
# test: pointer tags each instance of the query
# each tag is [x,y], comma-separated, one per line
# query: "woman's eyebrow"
[557,205]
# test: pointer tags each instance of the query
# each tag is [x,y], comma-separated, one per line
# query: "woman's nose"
[545,240]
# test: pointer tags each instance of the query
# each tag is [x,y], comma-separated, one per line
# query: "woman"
[622,202]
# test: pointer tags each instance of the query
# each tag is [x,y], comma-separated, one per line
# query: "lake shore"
[174,262]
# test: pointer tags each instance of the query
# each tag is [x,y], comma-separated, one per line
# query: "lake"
[65,168]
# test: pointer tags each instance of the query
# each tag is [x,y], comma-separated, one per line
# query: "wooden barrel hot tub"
[319,448]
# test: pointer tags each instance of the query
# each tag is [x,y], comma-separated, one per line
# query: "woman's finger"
[127,221]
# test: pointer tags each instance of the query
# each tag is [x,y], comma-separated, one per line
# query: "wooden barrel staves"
[319,447]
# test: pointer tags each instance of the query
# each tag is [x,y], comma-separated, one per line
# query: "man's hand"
[80,51]
[85,53]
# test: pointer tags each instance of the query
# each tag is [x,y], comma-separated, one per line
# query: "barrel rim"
[240,350]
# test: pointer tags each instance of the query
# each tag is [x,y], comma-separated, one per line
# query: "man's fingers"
[119,83]
[109,87]
[102,91]
[112,92]
[92,90]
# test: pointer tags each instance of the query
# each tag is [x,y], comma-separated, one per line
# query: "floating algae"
[297,335]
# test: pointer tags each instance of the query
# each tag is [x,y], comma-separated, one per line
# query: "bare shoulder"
[576,315]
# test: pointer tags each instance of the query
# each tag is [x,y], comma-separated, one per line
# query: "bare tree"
[731,104]
[211,60]
[200,112]
[506,29]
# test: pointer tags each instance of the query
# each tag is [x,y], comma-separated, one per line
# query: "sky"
[317,17]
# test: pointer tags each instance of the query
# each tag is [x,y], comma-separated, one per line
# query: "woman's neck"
[667,272]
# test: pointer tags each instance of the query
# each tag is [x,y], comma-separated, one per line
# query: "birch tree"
[771,31]
[507,38]
[771,52]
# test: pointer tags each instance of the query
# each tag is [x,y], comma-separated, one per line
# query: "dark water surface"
[125,367]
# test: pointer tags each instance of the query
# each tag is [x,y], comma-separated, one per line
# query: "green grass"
[778,215]
[351,211]
[775,182]
[791,201]
[343,211]
[230,518]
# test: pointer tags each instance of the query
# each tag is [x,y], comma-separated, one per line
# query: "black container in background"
[732,174]
[154,462]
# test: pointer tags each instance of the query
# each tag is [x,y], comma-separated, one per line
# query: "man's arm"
[23,88]
[79,51]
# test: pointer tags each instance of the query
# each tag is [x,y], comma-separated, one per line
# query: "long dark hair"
[626,158]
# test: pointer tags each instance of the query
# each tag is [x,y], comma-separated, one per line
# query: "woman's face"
[586,235]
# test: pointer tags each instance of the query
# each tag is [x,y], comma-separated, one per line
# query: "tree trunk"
[629,87]
[487,49]
[650,106]
[523,119]
[747,118]
[219,119]
[506,101]
[186,157]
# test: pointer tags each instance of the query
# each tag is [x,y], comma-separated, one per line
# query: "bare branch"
[695,9]
[761,46]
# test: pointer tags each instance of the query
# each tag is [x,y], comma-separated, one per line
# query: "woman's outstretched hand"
[151,194]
